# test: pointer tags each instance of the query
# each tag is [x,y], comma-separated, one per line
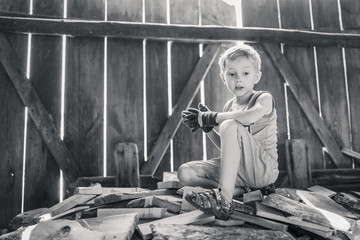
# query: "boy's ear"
[258,77]
[222,77]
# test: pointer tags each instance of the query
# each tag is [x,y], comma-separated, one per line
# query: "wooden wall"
[119,90]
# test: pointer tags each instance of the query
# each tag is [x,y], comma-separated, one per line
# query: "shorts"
[257,167]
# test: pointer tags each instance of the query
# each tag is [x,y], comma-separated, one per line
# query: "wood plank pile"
[135,213]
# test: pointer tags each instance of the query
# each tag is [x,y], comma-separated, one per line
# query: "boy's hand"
[190,119]
[204,108]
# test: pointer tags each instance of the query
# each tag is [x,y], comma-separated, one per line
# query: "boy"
[247,138]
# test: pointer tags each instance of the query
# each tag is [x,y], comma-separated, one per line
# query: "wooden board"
[218,13]
[142,213]
[169,184]
[349,11]
[331,79]
[296,15]
[187,146]
[258,221]
[12,127]
[321,190]
[45,74]
[157,102]
[182,219]
[84,99]
[71,202]
[106,190]
[319,201]
[112,198]
[125,110]
[120,226]
[305,212]
[126,158]
[170,231]
[171,203]
[141,202]
[264,13]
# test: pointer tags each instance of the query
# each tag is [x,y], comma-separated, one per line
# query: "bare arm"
[215,138]
[263,106]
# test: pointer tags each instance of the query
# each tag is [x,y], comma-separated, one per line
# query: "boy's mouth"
[238,88]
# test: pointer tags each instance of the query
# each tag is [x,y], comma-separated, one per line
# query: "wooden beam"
[37,111]
[187,95]
[283,67]
[51,26]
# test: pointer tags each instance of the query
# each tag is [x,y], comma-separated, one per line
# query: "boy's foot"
[211,202]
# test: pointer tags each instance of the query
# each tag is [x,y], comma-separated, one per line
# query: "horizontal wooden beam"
[51,26]
[281,64]
[187,95]
[10,60]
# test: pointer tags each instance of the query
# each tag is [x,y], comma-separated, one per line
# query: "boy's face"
[240,76]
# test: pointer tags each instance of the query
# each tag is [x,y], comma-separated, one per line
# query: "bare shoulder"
[266,102]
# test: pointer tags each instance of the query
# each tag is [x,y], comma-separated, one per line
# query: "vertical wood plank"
[42,173]
[125,83]
[331,78]
[84,114]
[11,127]
[216,12]
[264,13]
[295,14]
[350,10]
[187,145]
[157,84]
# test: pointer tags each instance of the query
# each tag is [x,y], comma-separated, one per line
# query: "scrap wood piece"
[70,211]
[107,190]
[169,184]
[347,201]
[277,215]
[171,231]
[172,203]
[187,95]
[251,197]
[356,194]
[282,65]
[170,176]
[71,202]
[321,190]
[141,202]
[112,198]
[259,221]
[119,227]
[126,159]
[303,211]
[143,213]
[289,193]
[319,201]
[227,223]
[241,207]
[350,153]
[28,218]
[185,218]
[64,159]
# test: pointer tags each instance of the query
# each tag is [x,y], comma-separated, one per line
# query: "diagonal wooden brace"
[187,95]
[282,65]
[10,60]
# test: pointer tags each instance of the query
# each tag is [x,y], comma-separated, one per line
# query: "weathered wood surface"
[169,184]
[106,190]
[283,66]
[321,190]
[349,202]
[176,32]
[141,202]
[264,13]
[188,93]
[320,201]
[125,109]
[296,14]
[185,218]
[12,64]
[142,213]
[119,227]
[112,198]
[126,158]
[12,127]
[259,221]
[170,231]
[28,218]
[251,197]
[303,211]
[172,203]
[71,202]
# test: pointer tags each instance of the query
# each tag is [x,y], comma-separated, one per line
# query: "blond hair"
[237,51]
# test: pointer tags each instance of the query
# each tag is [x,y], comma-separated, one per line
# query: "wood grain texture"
[127,165]
[11,127]
[332,86]
[216,13]
[296,15]
[264,13]
[157,101]
[84,98]
[187,146]
[124,83]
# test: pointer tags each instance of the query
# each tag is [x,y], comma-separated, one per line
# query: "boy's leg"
[188,177]
[231,154]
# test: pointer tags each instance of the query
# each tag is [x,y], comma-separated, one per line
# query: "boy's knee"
[231,127]
[185,175]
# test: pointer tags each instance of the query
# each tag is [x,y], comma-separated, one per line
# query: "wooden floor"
[163,213]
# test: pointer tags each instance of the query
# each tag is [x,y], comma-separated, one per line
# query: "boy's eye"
[231,74]
[245,73]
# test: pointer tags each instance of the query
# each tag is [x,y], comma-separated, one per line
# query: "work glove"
[190,119]
[204,108]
